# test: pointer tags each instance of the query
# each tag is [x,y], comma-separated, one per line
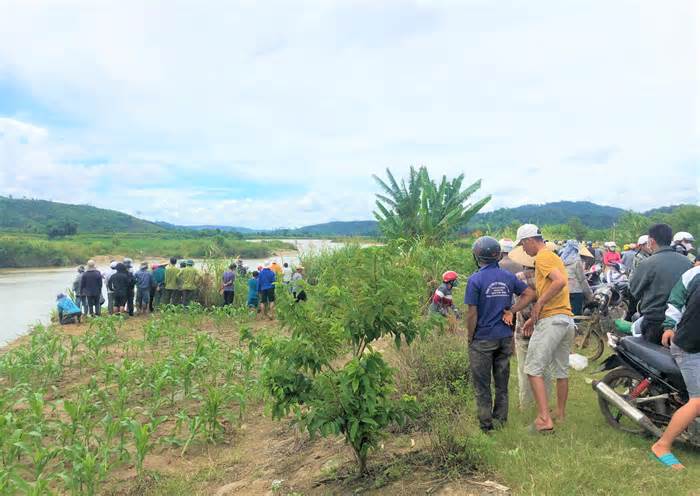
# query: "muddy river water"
[27,296]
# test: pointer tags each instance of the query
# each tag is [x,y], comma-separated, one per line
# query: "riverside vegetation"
[93,409]
[26,250]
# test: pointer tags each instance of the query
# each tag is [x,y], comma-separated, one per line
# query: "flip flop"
[534,430]
[669,459]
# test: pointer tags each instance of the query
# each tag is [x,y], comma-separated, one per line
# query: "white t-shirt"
[286,274]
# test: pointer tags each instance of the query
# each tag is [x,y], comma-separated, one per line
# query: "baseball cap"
[527,231]
[643,239]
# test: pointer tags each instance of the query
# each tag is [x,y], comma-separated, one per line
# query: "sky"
[277,113]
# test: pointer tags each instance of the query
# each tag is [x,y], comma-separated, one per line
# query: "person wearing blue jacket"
[68,311]
[266,289]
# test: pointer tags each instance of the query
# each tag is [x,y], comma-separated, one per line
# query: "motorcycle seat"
[657,356]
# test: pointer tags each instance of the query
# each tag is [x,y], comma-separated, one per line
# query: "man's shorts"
[143,296]
[119,299]
[689,363]
[267,295]
[550,344]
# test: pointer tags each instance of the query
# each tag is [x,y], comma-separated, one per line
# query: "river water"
[27,296]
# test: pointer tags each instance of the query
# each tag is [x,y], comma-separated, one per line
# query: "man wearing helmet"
[442,298]
[683,244]
[489,294]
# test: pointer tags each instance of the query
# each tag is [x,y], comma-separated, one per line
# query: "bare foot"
[542,424]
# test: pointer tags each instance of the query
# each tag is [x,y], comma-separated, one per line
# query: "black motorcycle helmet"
[486,250]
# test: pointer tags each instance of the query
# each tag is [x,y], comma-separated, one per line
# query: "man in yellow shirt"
[550,326]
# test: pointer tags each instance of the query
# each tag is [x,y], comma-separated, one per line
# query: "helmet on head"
[449,276]
[683,236]
[486,250]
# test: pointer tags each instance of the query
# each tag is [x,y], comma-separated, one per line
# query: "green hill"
[38,216]
[591,214]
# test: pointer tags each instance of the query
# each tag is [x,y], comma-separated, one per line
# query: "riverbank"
[20,250]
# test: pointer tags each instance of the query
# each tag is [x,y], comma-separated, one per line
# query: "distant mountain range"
[37,215]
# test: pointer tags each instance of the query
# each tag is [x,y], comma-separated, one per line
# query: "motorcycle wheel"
[588,342]
[622,380]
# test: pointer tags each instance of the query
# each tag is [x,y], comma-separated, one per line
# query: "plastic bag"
[578,362]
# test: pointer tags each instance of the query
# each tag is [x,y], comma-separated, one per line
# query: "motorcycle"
[643,389]
[603,315]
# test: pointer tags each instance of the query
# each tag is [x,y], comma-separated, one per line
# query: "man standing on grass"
[172,273]
[550,326]
[682,335]
[266,288]
[489,293]
[144,281]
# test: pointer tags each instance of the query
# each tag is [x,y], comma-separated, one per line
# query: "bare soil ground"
[266,457]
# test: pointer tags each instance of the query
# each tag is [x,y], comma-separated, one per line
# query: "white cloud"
[544,101]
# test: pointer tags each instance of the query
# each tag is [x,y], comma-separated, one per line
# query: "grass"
[584,456]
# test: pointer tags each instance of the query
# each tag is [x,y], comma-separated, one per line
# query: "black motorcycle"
[643,389]
[601,316]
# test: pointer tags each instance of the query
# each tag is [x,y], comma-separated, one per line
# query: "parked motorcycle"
[603,315]
[643,389]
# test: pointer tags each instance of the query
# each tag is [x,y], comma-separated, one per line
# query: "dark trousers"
[487,358]
[151,297]
[576,300]
[110,302]
[300,296]
[228,297]
[68,318]
[652,328]
[169,297]
[82,303]
[130,301]
[93,305]
[187,295]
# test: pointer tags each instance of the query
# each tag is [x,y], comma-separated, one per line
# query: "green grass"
[585,456]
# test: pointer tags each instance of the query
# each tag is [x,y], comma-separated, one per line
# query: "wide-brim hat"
[519,256]
[585,252]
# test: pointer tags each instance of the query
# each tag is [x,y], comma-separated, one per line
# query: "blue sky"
[268,114]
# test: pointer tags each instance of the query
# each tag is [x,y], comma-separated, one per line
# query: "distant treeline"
[23,250]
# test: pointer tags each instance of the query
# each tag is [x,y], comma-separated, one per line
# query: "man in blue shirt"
[266,288]
[489,294]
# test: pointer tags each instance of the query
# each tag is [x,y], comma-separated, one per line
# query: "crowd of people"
[131,291]
[523,298]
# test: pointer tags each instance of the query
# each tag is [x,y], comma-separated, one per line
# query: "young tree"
[310,373]
[423,209]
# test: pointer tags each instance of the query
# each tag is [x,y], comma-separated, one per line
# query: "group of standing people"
[128,290]
[523,298]
[261,285]
[175,283]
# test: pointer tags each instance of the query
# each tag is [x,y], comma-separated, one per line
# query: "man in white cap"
[643,252]
[550,326]
[506,262]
